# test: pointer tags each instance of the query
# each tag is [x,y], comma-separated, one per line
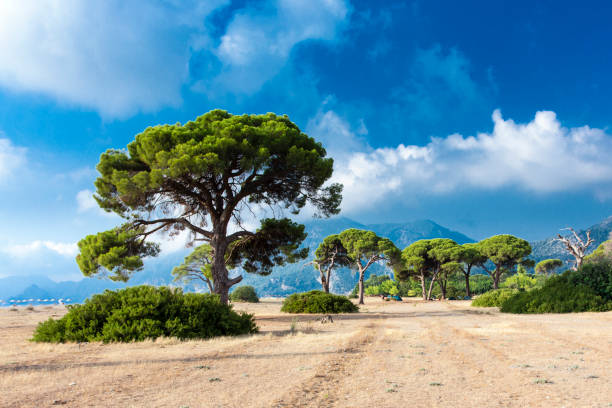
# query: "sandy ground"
[437,354]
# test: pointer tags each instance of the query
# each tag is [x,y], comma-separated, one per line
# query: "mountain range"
[283,280]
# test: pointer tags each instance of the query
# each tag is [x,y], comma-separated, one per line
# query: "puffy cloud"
[36,247]
[258,41]
[11,157]
[336,133]
[85,201]
[113,56]
[540,156]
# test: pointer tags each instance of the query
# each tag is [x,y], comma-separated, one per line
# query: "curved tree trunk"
[361,274]
[496,277]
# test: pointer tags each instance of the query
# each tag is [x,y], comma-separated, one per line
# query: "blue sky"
[487,117]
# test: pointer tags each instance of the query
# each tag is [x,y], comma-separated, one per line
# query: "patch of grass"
[436,384]
[542,381]
[214,379]
[294,325]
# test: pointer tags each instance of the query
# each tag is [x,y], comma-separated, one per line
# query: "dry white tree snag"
[576,246]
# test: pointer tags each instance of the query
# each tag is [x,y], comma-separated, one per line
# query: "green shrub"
[520,281]
[145,312]
[596,275]
[560,294]
[244,294]
[493,298]
[317,301]
[374,281]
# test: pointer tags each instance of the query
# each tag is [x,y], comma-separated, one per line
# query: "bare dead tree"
[576,246]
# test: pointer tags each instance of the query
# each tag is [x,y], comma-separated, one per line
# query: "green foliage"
[602,252]
[431,259]
[480,284]
[558,295]
[505,250]
[595,275]
[372,284]
[520,281]
[362,245]
[276,242]
[145,312]
[317,301]
[331,249]
[196,266]
[493,298]
[118,251]
[286,165]
[244,294]
[548,266]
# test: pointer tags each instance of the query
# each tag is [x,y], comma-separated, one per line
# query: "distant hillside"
[549,248]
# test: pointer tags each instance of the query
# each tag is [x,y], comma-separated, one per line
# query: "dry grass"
[393,354]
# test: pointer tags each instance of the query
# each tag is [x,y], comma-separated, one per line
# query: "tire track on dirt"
[321,390]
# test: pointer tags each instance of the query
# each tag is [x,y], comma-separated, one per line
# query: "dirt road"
[437,354]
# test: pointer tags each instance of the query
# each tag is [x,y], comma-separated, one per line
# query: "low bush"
[145,312]
[493,298]
[560,294]
[317,301]
[244,294]
[596,275]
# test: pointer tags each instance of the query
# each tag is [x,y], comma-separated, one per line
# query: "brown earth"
[436,354]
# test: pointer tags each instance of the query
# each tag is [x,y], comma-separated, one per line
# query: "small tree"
[364,248]
[520,280]
[196,266]
[329,255]
[199,178]
[469,256]
[548,266]
[504,251]
[576,246]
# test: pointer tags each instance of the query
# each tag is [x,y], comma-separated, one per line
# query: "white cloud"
[113,56]
[540,156]
[11,157]
[336,134]
[35,247]
[85,201]
[258,42]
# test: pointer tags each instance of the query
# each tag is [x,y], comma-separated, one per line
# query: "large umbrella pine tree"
[200,177]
